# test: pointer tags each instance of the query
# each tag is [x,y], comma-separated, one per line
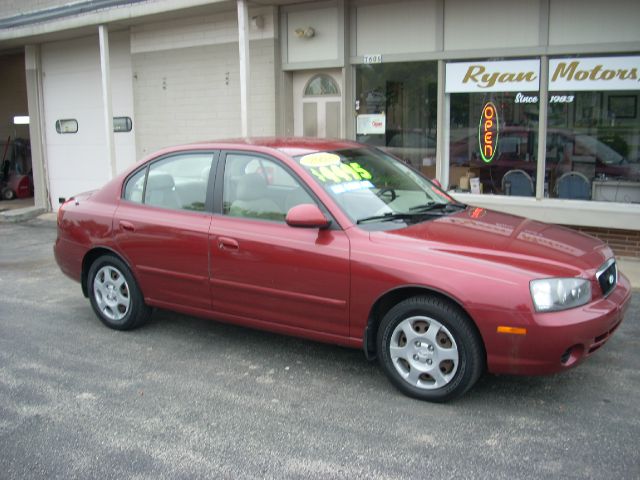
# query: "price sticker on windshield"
[322,159]
[328,168]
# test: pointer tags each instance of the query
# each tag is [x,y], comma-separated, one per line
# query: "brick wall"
[624,243]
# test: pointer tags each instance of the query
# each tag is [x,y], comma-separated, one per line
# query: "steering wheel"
[387,194]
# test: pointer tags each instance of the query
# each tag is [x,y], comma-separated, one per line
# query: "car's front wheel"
[429,349]
[115,295]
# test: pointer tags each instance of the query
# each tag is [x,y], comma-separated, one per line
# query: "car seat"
[161,191]
[252,200]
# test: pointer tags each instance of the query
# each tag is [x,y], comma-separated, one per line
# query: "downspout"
[243,44]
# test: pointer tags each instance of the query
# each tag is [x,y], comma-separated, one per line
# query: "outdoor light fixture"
[257,22]
[21,120]
[307,32]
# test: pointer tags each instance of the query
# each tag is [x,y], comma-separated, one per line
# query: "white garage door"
[72,92]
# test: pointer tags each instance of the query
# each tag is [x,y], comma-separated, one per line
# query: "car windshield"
[375,190]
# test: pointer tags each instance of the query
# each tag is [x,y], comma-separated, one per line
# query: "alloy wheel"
[111,293]
[424,352]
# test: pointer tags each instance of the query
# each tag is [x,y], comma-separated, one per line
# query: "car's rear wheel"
[429,349]
[115,295]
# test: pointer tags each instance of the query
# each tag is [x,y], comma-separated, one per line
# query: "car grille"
[607,276]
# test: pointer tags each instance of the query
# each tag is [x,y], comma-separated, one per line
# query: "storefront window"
[493,142]
[396,110]
[592,135]
[593,144]
[493,126]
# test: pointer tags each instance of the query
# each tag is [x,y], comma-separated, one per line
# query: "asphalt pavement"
[190,398]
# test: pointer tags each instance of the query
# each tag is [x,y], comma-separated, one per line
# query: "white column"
[542,126]
[105,71]
[243,44]
[442,129]
[37,126]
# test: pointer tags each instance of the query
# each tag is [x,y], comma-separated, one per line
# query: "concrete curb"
[49,217]
[21,214]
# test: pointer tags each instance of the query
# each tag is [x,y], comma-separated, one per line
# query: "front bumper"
[557,341]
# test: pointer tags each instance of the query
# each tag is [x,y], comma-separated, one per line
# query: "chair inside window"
[252,200]
[161,191]
[573,185]
[517,183]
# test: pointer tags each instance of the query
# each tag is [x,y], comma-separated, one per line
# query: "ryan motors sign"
[503,76]
[605,73]
[565,75]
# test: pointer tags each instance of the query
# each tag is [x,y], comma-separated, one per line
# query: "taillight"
[63,204]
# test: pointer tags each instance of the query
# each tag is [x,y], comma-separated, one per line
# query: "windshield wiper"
[388,216]
[432,208]
[436,206]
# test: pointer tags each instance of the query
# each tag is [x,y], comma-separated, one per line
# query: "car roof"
[292,146]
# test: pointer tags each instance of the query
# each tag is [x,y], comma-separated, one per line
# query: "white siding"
[404,27]
[323,45]
[574,22]
[193,94]
[491,24]
[186,76]
[216,29]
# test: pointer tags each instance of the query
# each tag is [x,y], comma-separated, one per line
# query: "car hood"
[486,235]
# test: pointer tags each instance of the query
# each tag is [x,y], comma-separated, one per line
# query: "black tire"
[436,365]
[114,294]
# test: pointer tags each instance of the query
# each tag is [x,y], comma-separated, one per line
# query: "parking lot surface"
[189,398]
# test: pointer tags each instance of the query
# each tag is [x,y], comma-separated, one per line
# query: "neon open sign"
[488,132]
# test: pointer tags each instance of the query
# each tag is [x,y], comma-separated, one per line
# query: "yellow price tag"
[321,159]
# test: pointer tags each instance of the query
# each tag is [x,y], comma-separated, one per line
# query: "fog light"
[571,355]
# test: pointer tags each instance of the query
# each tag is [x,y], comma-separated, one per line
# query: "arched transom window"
[321,85]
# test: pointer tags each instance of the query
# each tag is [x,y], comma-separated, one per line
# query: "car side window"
[134,188]
[178,182]
[256,187]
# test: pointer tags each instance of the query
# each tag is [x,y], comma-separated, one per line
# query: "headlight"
[553,294]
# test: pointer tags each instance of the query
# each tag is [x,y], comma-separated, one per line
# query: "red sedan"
[337,242]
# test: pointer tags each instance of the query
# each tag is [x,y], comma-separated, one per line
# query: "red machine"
[15,175]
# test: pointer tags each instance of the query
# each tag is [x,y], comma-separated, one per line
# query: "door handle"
[225,243]
[126,226]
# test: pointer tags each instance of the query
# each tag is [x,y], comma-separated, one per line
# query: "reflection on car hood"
[488,235]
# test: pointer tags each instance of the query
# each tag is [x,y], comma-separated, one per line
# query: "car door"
[263,270]
[162,225]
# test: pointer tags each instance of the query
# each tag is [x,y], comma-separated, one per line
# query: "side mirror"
[307,215]
[436,182]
